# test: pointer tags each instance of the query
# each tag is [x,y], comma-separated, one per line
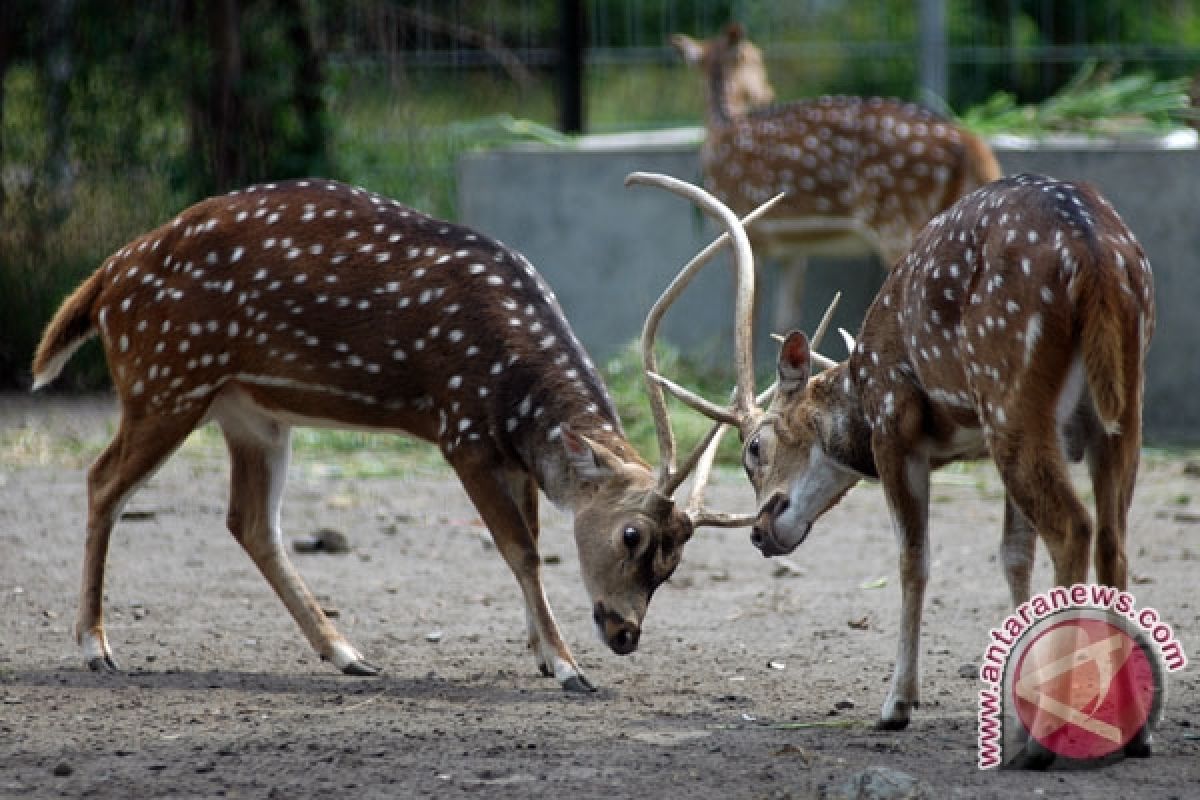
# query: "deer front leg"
[505,516]
[906,485]
[523,489]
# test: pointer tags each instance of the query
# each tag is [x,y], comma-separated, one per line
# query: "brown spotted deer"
[314,303]
[857,172]
[1015,328]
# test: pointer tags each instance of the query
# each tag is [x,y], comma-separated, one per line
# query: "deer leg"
[906,485]
[259,448]
[1036,479]
[1017,552]
[1113,464]
[789,293]
[505,516]
[523,489]
[139,448]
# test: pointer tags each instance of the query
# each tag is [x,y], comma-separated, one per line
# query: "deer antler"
[712,440]
[670,477]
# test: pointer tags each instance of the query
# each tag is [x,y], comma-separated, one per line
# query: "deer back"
[1000,296]
[339,306]
[884,164]
[873,167]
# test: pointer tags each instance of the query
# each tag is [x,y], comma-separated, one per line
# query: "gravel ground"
[755,678]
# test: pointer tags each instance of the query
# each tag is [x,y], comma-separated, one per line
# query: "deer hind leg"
[1017,552]
[1113,464]
[906,485]
[259,449]
[1038,484]
[503,503]
[141,445]
[789,292]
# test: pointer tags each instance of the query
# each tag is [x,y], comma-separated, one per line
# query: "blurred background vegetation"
[115,115]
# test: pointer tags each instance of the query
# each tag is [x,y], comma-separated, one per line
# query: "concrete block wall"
[608,251]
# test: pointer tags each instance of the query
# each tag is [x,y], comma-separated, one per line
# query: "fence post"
[931,43]
[570,65]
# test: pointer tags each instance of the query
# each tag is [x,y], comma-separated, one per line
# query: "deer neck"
[842,423]
[720,111]
[548,461]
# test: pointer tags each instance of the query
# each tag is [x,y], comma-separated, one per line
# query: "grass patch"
[1096,102]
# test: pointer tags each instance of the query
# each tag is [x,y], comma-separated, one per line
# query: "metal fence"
[1027,46]
[446,64]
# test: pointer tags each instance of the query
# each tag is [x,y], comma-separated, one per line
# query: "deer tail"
[71,326]
[981,161]
[1100,313]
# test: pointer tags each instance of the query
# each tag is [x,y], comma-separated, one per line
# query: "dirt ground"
[755,678]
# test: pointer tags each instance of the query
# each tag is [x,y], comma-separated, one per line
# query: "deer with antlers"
[857,172]
[1015,328]
[319,304]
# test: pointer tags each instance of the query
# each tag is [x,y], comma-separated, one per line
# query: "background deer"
[315,303]
[1016,327]
[859,173]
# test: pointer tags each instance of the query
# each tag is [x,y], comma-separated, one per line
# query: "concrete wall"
[608,251]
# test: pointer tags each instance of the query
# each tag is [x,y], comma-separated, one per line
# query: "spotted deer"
[1016,328]
[858,173]
[314,303]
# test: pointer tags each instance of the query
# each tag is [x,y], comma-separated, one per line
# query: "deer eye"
[631,536]
[754,448]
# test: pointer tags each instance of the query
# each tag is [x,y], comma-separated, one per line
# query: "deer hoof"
[893,724]
[1139,745]
[360,668]
[104,663]
[578,683]
[1032,757]
[545,670]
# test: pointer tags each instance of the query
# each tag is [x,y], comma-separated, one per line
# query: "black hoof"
[103,664]
[546,671]
[1032,757]
[578,683]
[1139,745]
[361,669]
[891,724]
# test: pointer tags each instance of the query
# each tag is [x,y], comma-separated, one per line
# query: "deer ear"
[691,50]
[734,33]
[795,362]
[590,460]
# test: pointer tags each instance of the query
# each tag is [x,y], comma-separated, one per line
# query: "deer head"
[745,413]
[734,66]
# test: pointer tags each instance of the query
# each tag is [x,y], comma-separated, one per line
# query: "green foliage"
[1092,102]
[623,374]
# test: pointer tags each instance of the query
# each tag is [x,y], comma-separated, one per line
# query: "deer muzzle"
[620,634]
[766,536]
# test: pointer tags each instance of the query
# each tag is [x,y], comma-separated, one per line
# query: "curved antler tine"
[819,333]
[848,338]
[694,401]
[701,516]
[734,232]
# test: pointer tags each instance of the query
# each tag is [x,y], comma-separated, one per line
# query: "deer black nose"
[619,634]
[625,640]
[757,536]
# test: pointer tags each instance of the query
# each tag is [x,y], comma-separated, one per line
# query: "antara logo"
[1075,675]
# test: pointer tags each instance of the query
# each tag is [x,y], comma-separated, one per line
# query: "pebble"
[325,540]
[878,783]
